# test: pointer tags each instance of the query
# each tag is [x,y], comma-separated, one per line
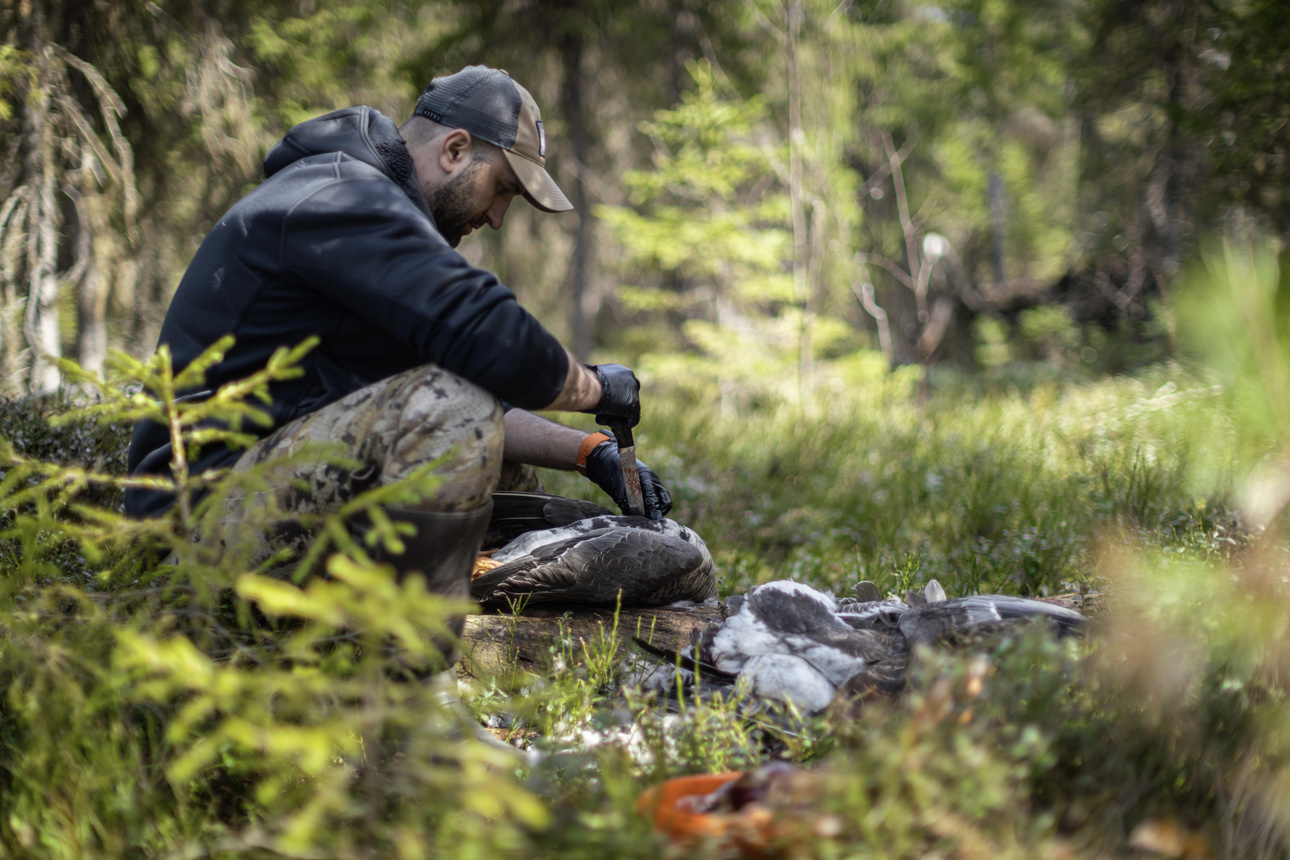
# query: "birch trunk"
[12,256]
[92,286]
[797,206]
[41,321]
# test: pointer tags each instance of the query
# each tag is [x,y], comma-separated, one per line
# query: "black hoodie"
[338,242]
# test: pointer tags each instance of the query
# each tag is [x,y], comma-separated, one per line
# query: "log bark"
[502,644]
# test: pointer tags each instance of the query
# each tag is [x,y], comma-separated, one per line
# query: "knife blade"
[631,474]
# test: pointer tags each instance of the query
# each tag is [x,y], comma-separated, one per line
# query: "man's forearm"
[539,442]
[581,390]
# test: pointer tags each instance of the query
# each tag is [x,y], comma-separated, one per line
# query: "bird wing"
[647,568]
[517,513]
[962,616]
[530,576]
[791,607]
[883,677]
[867,592]
[541,542]
[532,542]
[871,615]
[650,569]
[560,511]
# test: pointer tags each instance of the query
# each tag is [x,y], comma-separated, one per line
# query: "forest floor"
[1161,734]
[1035,484]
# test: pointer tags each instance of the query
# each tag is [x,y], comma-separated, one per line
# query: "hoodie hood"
[362,133]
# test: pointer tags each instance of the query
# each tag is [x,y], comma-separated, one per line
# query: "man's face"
[476,194]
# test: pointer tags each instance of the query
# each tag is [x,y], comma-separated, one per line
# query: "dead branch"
[864,293]
[894,270]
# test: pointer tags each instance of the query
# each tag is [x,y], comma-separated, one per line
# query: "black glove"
[605,469]
[620,394]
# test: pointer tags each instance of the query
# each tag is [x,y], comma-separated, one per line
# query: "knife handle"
[622,430]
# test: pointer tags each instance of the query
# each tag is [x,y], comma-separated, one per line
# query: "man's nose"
[497,212]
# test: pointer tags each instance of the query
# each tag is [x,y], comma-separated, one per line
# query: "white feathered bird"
[788,642]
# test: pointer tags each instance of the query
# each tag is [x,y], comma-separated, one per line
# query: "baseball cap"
[492,107]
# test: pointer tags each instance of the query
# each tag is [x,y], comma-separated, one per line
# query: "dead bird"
[788,642]
[516,513]
[598,561]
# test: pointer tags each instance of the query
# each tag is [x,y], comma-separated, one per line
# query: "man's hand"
[605,469]
[620,395]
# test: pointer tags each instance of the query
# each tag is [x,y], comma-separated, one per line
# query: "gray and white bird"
[516,513]
[598,561]
[788,642]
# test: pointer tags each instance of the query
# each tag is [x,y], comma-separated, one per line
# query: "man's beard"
[453,205]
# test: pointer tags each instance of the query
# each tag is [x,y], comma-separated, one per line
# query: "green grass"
[994,491]
[119,738]
[1081,485]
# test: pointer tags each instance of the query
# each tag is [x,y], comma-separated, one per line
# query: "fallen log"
[504,643]
[500,644]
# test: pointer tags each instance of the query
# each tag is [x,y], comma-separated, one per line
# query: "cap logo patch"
[541,140]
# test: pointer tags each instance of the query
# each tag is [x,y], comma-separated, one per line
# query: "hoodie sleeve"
[362,243]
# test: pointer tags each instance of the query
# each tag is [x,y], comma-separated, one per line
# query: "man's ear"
[454,150]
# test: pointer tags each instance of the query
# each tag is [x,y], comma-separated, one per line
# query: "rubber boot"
[443,552]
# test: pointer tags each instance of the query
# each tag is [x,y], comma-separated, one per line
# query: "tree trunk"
[92,289]
[572,104]
[1176,161]
[12,241]
[998,225]
[797,205]
[41,323]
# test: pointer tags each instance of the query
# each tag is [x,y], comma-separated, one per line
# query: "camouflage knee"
[391,428]
[432,415]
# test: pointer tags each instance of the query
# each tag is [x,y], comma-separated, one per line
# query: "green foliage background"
[162,698]
[777,197]
[1035,139]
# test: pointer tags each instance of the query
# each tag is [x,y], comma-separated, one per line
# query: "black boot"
[443,551]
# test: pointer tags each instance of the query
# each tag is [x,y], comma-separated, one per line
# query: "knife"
[631,475]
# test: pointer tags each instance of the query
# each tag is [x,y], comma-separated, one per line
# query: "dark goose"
[592,561]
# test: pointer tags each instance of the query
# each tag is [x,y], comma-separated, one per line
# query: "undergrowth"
[164,699]
[1003,492]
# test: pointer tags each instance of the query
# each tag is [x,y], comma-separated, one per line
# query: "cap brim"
[539,188]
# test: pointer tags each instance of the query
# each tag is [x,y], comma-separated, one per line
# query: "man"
[350,239]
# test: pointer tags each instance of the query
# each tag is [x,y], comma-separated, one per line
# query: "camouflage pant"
[390,427]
